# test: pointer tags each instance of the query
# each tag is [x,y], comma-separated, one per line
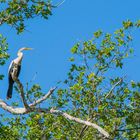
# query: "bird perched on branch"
[14,70]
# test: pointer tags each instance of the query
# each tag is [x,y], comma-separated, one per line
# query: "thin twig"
[48,4]
[43,98]
[128,129]
[114,87]
[34,77]
[59,4]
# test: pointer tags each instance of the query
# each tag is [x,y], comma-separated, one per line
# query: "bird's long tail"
[10,90]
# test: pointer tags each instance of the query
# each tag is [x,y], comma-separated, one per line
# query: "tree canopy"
[91,103]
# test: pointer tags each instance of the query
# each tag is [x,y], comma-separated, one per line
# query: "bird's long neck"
[19,58]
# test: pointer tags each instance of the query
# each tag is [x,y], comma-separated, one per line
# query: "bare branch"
[85,61]
[59,4]
[22,93]
[67,116]
[11,109]
[43,98]
[48,4]
[22,111]
[114,87]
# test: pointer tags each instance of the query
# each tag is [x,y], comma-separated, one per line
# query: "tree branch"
[67,116]
[48,4]
[11,109]
[59,4]
[5,19]
[22,111]
[43,98]
[114,87]
[22,93]
[84,128]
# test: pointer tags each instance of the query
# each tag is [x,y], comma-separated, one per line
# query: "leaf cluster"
[17,11]
[89,92]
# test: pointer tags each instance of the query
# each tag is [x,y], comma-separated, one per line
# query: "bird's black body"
[14,71]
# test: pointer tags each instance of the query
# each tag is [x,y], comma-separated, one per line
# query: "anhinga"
[14,70]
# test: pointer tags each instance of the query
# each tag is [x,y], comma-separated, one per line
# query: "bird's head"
[25,48]
[28,48]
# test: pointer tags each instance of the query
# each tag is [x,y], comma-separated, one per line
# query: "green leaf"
[127,24]
[71,59]
[74,49]
[98,34]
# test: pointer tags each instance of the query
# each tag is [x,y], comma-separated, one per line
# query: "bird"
[14,70]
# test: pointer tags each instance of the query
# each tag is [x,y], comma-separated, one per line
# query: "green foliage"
[89,92]
[34,93]
[3,48]
[3,53]
[137,23]
[6,132]
[74,49]
[16,12]
[98,34]
[127,24]
[88,97]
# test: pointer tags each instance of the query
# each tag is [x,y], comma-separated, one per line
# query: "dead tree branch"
[114,87]
[67,116]
[22,111]
[43,98]
[32,108]
[21,89]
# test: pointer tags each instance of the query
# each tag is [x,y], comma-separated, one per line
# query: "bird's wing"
[9,73]
[19,69]
[10,66]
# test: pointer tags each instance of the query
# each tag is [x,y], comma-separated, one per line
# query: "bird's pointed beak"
[29,48]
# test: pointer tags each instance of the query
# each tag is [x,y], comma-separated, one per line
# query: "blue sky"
[74,21]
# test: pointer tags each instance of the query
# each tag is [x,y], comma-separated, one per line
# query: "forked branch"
[43,98]
[32,108]
[111,90]
[20,86]
[22,111]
